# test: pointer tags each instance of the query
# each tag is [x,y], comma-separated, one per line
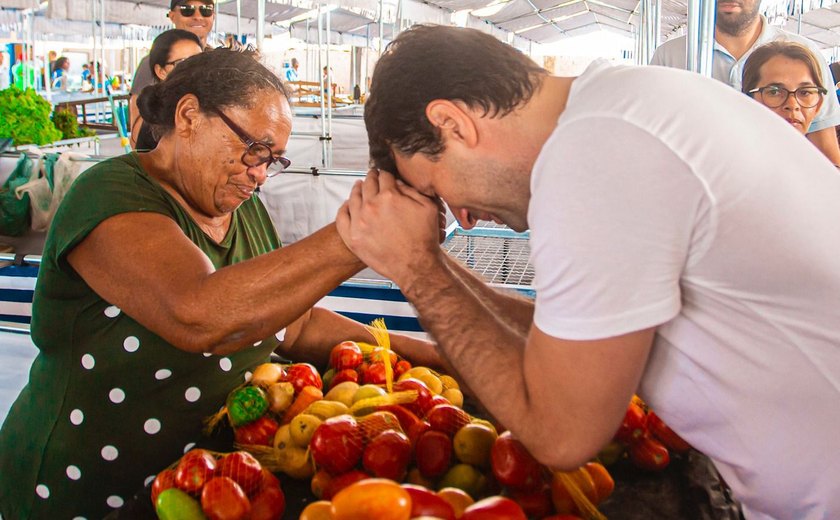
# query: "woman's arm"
[145,265]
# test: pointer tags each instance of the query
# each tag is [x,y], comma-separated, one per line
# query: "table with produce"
[371,437]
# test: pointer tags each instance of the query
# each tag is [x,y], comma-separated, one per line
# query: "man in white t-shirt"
[685,241]
[739,30]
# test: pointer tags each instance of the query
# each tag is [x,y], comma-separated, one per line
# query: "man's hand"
[393,228]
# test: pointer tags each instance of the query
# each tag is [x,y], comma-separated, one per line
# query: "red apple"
[433,453]
[346,355]
[447,418]
[337,444]
[387,455]
[244,469]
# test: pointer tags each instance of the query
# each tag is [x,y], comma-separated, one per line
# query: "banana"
[324,409]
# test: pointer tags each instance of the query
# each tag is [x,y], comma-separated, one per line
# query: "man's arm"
[563,399]
[826,141]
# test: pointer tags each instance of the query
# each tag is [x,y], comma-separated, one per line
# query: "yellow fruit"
[343,392]
[458,499]
[484,422]
[432,381]
[464,477]
[296,462]
[449,382]
[267,374]
[472,444]
[454,396]
[320,510]
[280,396]
[283,437]
[302,427]
[416,372]
[325,409]
[368,391]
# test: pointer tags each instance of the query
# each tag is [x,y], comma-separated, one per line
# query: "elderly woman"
[785,76]
[162,285]
[168,50]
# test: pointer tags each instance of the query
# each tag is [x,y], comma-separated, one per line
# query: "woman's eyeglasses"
[775,96]
[258,152]
[175,62]
[189,10]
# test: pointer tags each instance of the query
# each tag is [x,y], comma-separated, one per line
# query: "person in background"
[693,259]
[168,50]
[739,30]
[5,78]
[785,77]
[61,67]
[292,73]
[86,73]
[196,16]
[162,286]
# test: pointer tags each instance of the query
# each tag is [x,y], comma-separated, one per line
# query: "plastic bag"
[47,190]
[14,211]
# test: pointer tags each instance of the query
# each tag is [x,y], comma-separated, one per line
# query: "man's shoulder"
[670,53]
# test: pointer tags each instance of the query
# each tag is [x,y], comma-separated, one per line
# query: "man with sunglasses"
[195,16]
[740,30]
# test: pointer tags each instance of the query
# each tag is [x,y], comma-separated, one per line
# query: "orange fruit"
[378,498]
[320,510]
[458,499]
[604,483]
[561,496]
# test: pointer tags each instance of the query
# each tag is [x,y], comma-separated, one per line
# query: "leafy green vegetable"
[67,123]
[25,117]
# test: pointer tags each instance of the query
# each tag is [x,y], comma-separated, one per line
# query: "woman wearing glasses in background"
[162,285]
[168,50]
[785,77]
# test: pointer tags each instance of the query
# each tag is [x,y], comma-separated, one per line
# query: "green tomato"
[246,404]
[174,504]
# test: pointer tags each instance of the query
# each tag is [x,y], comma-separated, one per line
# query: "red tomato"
[244,469]
[447,418]
[494,508]
[512,465]
[669,438]
[374,374]
[320,480]
[387,455]
[401,368]
[416,430]
[424,395]
[337,444]
[425,502]
[346,355]
[433,453]
[223,499]
[340,482]
[379,354]
[406,417]
[260,432]
[373,498]
[303,374]
[437,400]
[634,424]
[269,480]
[648,453]
[164,480]
[536,504]
[268,504]
[341,376]
[194,469]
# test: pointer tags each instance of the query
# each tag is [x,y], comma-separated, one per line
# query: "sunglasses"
[189,10]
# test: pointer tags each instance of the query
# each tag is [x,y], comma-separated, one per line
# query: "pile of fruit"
[207,485]
[645,438]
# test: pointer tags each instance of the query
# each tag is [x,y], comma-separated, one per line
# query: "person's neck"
[739,44]
[540,114]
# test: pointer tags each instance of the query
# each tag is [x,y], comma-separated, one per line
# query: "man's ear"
[454,121]
[187,114]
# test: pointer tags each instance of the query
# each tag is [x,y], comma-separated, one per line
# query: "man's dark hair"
[219,78]
[161,47]
[429,62]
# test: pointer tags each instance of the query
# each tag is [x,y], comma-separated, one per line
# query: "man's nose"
[465,219]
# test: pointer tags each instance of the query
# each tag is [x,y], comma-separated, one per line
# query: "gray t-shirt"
[142,77]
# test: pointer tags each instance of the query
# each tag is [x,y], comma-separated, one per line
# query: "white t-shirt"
[729,70]
[664,198]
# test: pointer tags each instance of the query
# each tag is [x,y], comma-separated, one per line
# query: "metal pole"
[238,20]
[102,45]
[260,23]
[657,23]
[95,59]
[330,80]
[321,84]
[701,36]
[367,58]
[799,17]
[381,25]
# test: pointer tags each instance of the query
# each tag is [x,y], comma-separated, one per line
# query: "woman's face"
[219,180]
[180,50]
[790,74]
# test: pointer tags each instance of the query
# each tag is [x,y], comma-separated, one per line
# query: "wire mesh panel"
[499,259]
